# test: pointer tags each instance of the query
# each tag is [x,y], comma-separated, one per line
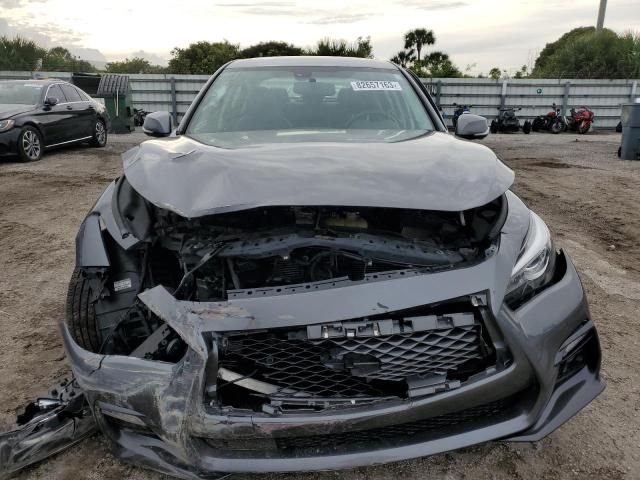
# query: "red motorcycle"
[552,121]
[580,120]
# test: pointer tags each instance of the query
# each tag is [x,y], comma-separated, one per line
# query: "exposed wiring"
[207,256]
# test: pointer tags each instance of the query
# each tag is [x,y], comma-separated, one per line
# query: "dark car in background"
[36,115]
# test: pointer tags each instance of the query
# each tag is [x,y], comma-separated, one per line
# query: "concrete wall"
[174,93]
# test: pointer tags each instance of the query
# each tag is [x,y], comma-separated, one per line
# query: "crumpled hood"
[9,110]
[433,172]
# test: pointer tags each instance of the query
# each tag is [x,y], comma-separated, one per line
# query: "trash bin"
[88,82]
[116,92]
[630,146]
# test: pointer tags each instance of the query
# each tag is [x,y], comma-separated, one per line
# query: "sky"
[477,34]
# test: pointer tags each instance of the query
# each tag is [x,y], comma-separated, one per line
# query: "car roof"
[311,61]
[44,82]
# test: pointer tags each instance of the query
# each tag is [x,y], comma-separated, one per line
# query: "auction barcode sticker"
[376,85]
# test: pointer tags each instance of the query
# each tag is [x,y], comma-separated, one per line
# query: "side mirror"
[471,126]
[51,101]
[158,124]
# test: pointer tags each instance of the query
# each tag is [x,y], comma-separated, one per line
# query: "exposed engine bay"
[282,246]
[271,250]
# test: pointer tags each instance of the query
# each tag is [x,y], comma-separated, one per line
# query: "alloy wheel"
[31,144]
[101,133]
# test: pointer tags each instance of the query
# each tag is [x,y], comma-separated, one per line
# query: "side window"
[55,91]
[71,93]
[83,96]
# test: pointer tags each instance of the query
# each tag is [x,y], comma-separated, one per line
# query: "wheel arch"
[38,127]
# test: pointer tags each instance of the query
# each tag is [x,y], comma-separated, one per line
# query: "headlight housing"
[536,263]
[6,125]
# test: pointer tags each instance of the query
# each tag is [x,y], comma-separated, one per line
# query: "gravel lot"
[588,197]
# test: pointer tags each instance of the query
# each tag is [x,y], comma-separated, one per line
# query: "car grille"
[400,356]
[316,367]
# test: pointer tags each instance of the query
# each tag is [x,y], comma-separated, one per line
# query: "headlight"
[536,262]
[6,125]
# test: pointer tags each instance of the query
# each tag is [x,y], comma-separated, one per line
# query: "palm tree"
[418,38]
[404,57]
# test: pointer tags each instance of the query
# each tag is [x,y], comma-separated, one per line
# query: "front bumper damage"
[160,415]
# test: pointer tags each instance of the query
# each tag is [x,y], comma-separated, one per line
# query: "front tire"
[584,128]
[99,139]
[526,128]
[30,145]
[81,314]
[557,127]
[494,127]
[537,124]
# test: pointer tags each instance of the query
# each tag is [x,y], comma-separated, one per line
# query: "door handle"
[69,107]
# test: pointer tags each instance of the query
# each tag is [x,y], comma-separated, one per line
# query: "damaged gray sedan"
[310,273]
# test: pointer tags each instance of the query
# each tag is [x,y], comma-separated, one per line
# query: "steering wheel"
[369,115]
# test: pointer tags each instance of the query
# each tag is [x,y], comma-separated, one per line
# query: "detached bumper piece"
[48,425]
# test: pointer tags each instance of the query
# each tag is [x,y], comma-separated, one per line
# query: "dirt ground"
[589,198]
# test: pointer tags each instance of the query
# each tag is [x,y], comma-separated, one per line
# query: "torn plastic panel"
[90,248]
[47,426]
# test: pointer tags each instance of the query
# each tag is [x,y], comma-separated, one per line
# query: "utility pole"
[601,12]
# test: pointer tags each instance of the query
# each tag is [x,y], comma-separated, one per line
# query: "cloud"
[334,19]
[256,4]
[269,11]
[90,54]
[44,35]
[52,36]
[153,58]
[11,4]
[432,4]
[313,16]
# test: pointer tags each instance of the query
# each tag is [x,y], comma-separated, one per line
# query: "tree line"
[584,53]
[580,53]
[198,58]
[22,54]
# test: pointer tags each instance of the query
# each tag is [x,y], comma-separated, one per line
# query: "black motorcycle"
[138,117]
[459,110]
[507,121]
[552,122]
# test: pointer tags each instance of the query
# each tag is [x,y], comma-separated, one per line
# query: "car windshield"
[247,106]
[19,93]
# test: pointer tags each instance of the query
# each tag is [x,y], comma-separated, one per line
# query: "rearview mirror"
[158,124]
[471,126]
[51,101]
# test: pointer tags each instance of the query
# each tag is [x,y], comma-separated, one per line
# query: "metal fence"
[535,96]
[174,93]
